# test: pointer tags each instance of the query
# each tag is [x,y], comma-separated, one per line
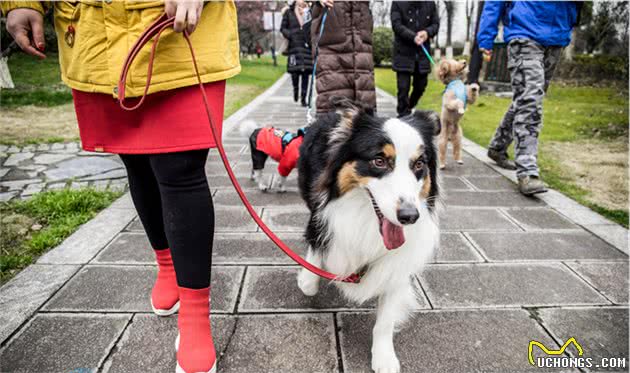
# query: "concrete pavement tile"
[466,219]
[490,199]
[90,238]
[27,291]
[610,278]
[223,181]
[614,234]
[286,219]
[62,343]
[234,219]
[542,218]
[543,246]
[447,341]
[254,248]
[127,248]
[148,344]
[602,332]
[281,343]
[227,197]
[505,285]
[471,167]
[491,183]
[455,248]
[275,289]
[454,183]
[128,288]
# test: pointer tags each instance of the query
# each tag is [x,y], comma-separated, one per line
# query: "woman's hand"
[186,13]
[27,28]
[327,3]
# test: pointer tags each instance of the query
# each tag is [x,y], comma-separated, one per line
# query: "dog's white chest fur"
[355,241]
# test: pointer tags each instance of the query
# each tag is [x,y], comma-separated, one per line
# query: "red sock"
[164,294]
[196,349]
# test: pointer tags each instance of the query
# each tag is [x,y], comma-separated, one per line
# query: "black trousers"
[407,102]
[171,194]
[295,79]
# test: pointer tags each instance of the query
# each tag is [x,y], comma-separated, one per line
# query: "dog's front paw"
[308,283]
[460,161]
[385,362]
[281,189]
[442,166]
[263,187]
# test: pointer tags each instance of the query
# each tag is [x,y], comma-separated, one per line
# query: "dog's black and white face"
[393,160]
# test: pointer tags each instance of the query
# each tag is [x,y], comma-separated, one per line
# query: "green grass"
[255,77]
[570,114]
[37,82]
[31,227]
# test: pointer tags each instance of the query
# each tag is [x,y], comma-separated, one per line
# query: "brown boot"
[529,185]
[501,159]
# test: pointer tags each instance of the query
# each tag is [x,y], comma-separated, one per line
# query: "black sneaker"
[501,159]
[529,185]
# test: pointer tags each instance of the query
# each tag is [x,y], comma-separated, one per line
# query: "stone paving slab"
[491,183]
[454,247]
[287,219]
[544,246]
[610,278]
[63,343]
[602,332]
[27,291]
[270,343]
[147,344]
[255,248]
[448,341]
[472,219]
[540,218]
[228,197]
[128,289]
[274,289]
[490,199]
[454,183]
[505,285]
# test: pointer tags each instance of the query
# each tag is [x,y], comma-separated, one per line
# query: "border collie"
[371,186]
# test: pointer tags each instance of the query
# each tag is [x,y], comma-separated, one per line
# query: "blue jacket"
[548,23]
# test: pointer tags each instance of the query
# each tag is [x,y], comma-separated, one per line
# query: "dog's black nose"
[407,215]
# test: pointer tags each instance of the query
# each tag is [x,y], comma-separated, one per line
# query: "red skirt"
[168,121]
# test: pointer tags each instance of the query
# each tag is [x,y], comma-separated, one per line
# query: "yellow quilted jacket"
[104,31]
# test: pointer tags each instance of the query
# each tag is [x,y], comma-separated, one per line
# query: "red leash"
[153,32]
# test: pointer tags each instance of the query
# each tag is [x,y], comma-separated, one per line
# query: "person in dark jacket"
[414,23]
[535,32]
[296,28]
[345,66]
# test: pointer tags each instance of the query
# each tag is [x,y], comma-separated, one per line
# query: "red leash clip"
[154,32]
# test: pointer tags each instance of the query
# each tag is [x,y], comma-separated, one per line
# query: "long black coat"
[300,57]
[408,18]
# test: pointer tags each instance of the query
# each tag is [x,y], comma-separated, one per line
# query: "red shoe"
[194,345]
[165,295]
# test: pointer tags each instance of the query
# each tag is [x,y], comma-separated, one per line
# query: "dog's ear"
[443,69]
[428,118]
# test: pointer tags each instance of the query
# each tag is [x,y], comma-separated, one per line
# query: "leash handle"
[155,31]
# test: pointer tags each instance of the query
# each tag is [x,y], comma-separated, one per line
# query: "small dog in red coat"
[281,145]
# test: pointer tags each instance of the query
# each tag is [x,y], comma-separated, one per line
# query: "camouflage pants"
[531,68]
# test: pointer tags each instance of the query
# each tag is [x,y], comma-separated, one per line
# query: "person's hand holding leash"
[186,13]
[27,28]
[487,54]
[327,3]
[421,37]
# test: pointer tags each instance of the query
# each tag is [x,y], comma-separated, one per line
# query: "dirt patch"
[32,123]
[596,166]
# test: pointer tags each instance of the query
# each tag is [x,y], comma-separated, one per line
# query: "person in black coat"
[296,28]
[414,23]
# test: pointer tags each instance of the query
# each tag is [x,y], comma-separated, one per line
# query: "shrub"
[593,68]
[383,44]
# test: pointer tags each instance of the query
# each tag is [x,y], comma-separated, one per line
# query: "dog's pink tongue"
[393,235]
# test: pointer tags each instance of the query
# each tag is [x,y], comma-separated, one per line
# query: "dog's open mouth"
[393,235]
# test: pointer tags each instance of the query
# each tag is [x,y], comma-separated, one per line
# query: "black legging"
[171,194]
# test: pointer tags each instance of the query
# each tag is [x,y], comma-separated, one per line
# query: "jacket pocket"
[66,10]
[142,4]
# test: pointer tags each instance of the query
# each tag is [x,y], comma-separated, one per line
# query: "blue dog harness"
[458,87]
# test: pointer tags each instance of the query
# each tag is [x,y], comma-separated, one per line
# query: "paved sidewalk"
[510,269]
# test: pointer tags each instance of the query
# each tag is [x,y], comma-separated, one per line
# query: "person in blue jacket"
[536,32]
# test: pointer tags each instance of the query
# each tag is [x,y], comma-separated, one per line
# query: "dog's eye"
[418,165]
[379,162]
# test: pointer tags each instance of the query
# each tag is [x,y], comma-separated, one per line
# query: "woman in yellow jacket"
[164,144]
